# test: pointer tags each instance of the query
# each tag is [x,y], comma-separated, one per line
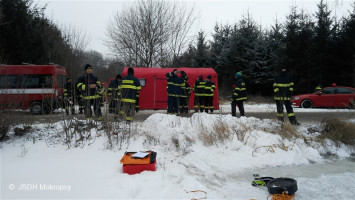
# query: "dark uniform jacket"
[113,92]
[174,84]
[209,88]
[84,83]
[68,91]
[283,86]
[199,87]
[129,88]
[239,91]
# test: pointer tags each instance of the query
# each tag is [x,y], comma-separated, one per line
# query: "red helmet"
[334,85]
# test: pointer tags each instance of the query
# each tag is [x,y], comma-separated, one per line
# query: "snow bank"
[214,153]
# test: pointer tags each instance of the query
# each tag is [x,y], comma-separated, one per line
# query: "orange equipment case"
[135,169]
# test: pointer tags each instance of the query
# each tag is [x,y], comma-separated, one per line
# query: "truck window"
[26,81]
[61,81]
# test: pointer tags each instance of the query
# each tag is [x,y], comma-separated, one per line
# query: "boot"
[295,123]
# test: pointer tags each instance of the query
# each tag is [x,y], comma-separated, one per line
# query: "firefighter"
[114,95]
[129,88]
[174,91]
[283,89]
[239,95]
[69,97]
[79,98]
[185,94]
[101,91]
[209,92]
[318,87]
[199,90]
[87,85]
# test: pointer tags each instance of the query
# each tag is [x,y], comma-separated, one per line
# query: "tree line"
[316,47]
[27,36]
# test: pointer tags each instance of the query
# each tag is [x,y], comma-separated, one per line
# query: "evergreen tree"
[297,54]
[346,50]
[187,59]
[201,56]
[324,32]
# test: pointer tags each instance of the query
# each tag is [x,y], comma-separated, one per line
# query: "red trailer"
[154,94]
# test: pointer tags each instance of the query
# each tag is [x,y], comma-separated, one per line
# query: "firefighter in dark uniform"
[69,97]
[129,88]
[209,92]
[174,91]
[114,95]
[239,95]
[185,94]
[318,87]
[79,98]
[283,89]
[87,85]
[199,90]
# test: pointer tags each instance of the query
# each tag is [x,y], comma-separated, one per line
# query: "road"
[27,118]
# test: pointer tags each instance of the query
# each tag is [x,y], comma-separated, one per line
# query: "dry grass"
[206,138]
[219,134]
[288,131]
[338,131]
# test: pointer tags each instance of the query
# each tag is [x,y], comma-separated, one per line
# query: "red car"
[329,97]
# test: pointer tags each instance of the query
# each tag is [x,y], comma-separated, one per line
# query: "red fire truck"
[35,87]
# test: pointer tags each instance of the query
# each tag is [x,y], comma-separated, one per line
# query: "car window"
[329,91]
[344,91]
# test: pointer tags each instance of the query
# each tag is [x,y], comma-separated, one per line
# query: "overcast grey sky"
[93,16]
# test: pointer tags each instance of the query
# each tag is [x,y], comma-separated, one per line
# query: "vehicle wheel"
[306,103]
[36,108]
[280,185]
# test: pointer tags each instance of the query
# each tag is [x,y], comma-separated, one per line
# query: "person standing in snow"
[129,88]
[114,95]
[87,85]
[209,92]
[239,95]
[185,94]
[69,97]
[174,91]
[199,90]
[283,89]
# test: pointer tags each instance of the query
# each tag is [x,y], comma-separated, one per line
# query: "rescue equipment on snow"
[260,181]
[279,188]
[136,162]
[282,185]
[148,159]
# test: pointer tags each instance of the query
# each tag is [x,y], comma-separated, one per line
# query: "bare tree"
[78,40]
[150,32]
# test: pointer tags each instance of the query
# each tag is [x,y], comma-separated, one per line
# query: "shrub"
[338,131]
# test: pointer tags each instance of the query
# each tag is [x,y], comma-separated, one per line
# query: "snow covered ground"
[217,154]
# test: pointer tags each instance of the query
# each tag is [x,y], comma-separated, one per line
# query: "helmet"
[238,74]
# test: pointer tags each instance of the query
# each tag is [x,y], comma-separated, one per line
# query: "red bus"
[35,87]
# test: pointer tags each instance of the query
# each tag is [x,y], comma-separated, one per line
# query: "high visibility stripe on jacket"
[283,86]
[113,91]
[129,88]
[186,90]
[199,87]
[209,88]
[174,84]
[239,91]
[83,85]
